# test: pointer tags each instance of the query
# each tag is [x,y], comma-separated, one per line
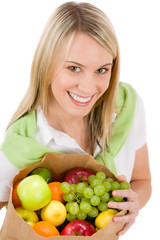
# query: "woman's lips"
[79,100]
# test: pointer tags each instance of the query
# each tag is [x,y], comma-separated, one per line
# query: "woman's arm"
[139,193]
[141,176]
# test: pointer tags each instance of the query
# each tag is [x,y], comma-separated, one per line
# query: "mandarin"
[57,193]
[15,199]
[45,229]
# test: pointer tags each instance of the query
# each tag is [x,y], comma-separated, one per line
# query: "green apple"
[33,193]
[43,172]
[28,216]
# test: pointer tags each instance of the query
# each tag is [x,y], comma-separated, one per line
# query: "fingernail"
[110,204]
[114,193]
[114,220]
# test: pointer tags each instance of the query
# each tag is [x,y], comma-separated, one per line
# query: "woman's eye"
[102,70]
[74,69]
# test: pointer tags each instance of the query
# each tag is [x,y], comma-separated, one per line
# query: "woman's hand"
[132,207]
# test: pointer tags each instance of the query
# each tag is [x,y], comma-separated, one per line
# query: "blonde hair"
[53,46]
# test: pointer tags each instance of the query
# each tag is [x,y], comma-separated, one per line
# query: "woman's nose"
[86,84]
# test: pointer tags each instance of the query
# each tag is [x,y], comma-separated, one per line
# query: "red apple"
[78,228]
[78,175]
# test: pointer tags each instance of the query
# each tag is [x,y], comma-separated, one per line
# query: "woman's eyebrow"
[107,64]
[76,63]
[79,64]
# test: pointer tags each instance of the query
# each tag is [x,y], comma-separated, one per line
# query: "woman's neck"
[75,127]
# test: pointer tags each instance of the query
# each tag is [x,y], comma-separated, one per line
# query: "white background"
[137,24]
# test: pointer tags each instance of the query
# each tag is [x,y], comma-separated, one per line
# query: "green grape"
[83,199]
[108,180]
[124,185]
[79,195]
[85,207]
[80,187]
[81,215]
[95,200]
[111,199]
[88,192]
[68,197]
[74,208]
[86,184]
[99,190]
[71,217]
[65,187]
[68,204]
[93,213]
[101,176]
[105,197]
[102,206]
[91,178]
[107,186]
[117,199]
[73,187]
[95,183]
[115,185]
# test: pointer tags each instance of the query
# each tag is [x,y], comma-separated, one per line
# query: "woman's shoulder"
[26,118]
[130,115]
[127,94]
[138,126]
[26,123]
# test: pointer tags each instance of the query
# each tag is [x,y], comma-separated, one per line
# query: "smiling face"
[82,79]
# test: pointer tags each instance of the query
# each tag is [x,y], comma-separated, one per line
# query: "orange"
[15,199]
[57,193]
[45,229]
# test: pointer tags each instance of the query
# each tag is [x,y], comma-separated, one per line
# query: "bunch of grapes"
[85,200]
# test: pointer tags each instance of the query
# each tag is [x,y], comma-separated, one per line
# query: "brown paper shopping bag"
[15,228]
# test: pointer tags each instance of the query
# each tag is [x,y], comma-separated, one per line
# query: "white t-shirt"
[60,141]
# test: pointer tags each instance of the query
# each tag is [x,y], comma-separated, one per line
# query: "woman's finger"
[128,193]
[130,206]
[122,178]
[126,218]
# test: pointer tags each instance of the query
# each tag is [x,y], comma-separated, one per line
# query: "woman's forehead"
[86,49]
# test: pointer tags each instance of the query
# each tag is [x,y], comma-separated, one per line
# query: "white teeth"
[79,99]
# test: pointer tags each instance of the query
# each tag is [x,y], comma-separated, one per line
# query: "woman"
[75,104]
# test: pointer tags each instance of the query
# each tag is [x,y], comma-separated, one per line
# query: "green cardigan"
[22,150]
